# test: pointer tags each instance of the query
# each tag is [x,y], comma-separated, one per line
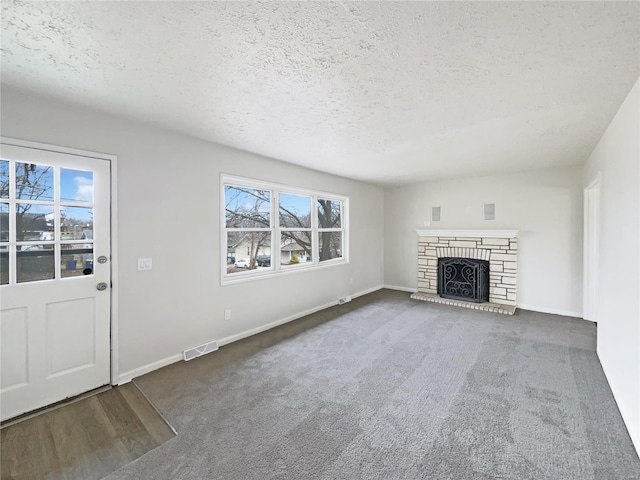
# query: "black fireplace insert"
[463,279]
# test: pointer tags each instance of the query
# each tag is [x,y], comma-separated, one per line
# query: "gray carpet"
[386,387]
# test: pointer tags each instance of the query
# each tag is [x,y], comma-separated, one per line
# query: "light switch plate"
[144,264]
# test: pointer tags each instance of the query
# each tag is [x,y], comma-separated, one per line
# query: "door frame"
[591,249]
[113,161]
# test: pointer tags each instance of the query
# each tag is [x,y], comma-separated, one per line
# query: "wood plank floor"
[87,439]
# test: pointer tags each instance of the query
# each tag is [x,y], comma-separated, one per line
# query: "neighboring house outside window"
[270,229]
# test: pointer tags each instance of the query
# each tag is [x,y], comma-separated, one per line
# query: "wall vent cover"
[435,214]
[200,350]
[489,211]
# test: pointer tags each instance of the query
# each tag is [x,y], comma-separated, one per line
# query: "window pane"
[4,265]
[34,222]
[76,185]
[295,211]
[247,207]
[76,223]
[34,182]
[4,179]
[329,213]
[295,248]
[330,245]
[76,260]
[246,250]
[34,262]
[4,222]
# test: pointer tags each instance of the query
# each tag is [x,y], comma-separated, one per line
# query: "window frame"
[276,268]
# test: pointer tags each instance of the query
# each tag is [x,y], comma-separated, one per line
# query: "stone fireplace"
[497,247]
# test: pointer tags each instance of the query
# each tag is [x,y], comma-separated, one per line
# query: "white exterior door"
[55,277]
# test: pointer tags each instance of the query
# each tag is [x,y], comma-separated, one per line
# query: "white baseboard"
[554,311]
[367,291]
[277,323]
[137,372]
[126,377]
[402,289]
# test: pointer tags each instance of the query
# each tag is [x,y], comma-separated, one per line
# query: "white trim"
[137,372]
[367,291]
[275,230]
[113,160]
[470,233]
[401,289]
[126,377]
[553,311]
[591,202]
[263,328]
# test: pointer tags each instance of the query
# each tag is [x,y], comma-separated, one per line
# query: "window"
[271,229]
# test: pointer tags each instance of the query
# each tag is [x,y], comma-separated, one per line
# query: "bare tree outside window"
[248,209]
[289,226]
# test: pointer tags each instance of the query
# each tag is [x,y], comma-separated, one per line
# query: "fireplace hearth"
[463,279]
[497,247]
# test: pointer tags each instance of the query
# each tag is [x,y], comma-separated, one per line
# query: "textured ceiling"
[387,92]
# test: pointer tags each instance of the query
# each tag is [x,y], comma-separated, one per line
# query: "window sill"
[270,273]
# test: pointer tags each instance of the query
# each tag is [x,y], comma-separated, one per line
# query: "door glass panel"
[34,182]
[76,223]
[4,179]
[295,211]
[76,185]
[34,262]
[295,248]
[76,259]
[34,222]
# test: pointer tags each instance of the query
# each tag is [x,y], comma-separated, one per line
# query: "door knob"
[101,286]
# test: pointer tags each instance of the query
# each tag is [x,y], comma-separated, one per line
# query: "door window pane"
[34,222]
[247,207]
[4,179]
[295,248]
[76,260]
[34,182]
[76,223]
[76,185]
[34,262]
[330,245]
[329,213]
[295,211]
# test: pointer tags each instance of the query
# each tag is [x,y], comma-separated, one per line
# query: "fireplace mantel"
[469,233]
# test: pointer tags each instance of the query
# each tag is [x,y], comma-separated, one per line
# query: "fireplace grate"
[463,279]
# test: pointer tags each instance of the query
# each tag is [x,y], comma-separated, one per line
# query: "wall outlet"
[144,264]
[227,314]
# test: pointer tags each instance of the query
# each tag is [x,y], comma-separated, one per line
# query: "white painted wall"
[617,158]
[545,205]
[168,200]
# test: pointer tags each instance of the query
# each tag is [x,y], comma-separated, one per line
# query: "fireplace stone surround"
[498,247]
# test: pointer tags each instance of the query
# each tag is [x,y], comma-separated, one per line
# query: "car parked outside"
[263,260]
[242,263]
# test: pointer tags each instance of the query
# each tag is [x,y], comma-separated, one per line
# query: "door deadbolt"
[102,259]
[101,286]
